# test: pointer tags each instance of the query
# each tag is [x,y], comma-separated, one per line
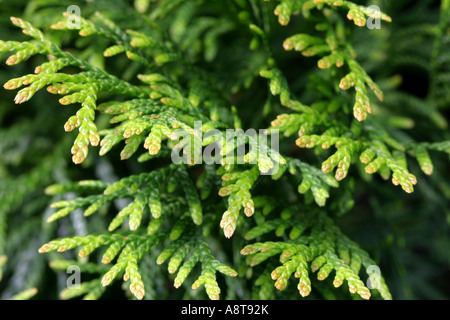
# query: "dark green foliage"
[139,86]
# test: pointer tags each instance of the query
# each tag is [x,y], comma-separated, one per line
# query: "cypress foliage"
[284,149]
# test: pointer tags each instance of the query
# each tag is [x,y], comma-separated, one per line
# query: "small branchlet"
[195,250]
[237,186]
[326,251]
[131,247]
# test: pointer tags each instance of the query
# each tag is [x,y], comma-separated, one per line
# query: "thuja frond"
[128,249]
[194,249]
[355,12]
[237,185]
[145,189]
[313,180]
[316,245]
[82,87]
[332,48]
[178,89]
[308,121]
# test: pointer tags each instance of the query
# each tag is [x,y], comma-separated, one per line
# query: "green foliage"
[143,84]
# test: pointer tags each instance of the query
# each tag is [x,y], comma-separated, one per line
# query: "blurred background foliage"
[409,58]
